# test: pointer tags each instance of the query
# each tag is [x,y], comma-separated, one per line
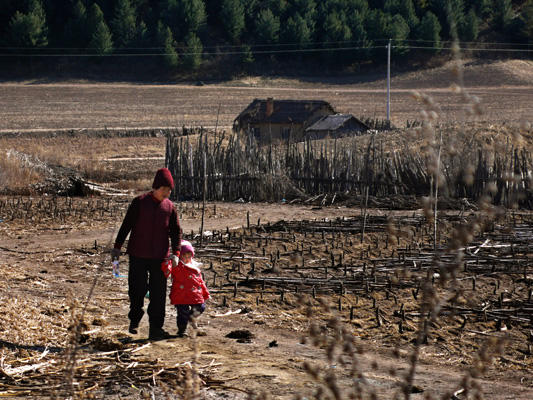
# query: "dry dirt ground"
[258,263]
[49,267]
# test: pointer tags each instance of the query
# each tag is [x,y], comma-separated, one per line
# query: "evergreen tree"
[306,9]
[407,11]
[29,30]
[102,42]
[360,6]
[331,19]
[76,34]
[232,17]
[470,29]
[168,45]
[94,17]
[450,14]
[142,36]
[526,18]
[278,7]
[335,32]
[267,27]
[192,58]
[192,16]
[503,13]
[483,8]
[376,25]
[296,30]
[247,56]
[251,9]
[398,31]
[302,16]
[336,29]
[151,19]
[101,39]
[356,23]
[105,6]
[123,23]
[169,14]
[429,32]
[391,6]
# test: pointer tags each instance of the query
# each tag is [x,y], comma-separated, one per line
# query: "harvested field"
[504,89]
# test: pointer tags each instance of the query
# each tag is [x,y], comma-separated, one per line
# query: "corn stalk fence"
[236,167]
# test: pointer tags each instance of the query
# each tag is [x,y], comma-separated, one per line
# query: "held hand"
[175,259]
[115,254]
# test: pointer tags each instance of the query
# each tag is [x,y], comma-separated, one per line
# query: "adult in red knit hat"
[151,221]
[163,177]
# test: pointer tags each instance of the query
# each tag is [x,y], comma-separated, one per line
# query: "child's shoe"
[181,330]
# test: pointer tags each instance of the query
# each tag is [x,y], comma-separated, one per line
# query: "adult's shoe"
[158,334]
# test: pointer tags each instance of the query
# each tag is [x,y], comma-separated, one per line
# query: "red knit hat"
[186,246]
[163,177]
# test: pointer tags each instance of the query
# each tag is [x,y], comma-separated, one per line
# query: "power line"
[279,47]
[258,52]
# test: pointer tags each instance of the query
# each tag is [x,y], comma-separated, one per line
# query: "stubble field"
[504,88]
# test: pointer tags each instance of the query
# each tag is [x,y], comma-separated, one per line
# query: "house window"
[256,132]
[285,132]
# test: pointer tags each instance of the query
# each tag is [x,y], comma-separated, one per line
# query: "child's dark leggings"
[185,311]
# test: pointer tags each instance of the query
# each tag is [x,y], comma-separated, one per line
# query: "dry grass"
[16,174]
[124,161]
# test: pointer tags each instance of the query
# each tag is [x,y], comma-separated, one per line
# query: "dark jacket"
[151,224]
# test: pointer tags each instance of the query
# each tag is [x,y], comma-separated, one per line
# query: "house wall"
[299,134]
[275,131]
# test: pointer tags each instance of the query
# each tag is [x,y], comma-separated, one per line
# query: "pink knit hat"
[186,246]
[163,177]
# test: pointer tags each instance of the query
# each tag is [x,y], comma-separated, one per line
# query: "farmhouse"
[281,119]
[336,126]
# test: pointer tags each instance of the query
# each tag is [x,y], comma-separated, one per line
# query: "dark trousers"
[145,275]
[185,311]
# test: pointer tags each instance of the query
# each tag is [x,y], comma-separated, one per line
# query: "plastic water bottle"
[116,271]
[166,267]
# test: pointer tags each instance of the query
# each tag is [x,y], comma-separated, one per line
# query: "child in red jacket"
[188,292]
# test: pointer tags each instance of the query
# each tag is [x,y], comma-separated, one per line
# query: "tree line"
[183,35]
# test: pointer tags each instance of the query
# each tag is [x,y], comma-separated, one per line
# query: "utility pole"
[388,82]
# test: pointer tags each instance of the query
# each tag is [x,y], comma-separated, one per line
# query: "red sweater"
[188,286]
[151,224]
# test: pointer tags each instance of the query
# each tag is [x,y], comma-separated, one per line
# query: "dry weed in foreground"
[340,345]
